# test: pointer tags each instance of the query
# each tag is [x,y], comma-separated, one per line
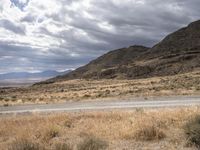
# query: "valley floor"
[137,129]
[93,90]
[133,129]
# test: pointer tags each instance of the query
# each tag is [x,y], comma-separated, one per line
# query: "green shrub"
[93,144]
[192,130]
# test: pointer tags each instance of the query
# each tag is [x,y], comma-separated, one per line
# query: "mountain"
[179,52]
[107,66]
[27,75]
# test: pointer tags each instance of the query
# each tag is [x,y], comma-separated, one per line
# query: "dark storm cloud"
[143,24]
[24,56]
[80,30]
[134,22]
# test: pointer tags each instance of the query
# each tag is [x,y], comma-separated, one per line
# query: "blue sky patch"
[19,4]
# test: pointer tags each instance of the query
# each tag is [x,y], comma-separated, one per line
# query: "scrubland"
[80,90]
[137,129]
[169,128]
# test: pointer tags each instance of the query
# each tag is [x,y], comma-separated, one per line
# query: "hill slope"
[179,52]
[108,65]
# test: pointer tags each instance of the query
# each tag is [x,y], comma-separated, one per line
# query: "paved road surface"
[103,105]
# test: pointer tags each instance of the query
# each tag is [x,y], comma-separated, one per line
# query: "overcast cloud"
[37,35]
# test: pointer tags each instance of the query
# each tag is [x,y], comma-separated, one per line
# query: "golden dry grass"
[79,90]
[133,129]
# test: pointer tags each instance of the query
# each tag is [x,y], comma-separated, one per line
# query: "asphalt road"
[103,105]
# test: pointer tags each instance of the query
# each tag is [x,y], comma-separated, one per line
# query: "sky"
[38,35]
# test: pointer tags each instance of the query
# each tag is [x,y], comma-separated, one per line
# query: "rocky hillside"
[108,65]
[179,52]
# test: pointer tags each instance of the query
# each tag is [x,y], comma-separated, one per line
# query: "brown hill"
[181,41]
[179,52]
[107,65]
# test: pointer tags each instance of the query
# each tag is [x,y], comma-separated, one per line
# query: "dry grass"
[120,129]
[192,129]
[92,143]
[78,90]
[50,133]
[63,146]
[148,129]
[24,144]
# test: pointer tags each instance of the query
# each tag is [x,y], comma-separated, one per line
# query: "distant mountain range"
[27,75]
[178,53]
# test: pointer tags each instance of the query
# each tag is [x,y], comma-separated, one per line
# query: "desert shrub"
[192,130]
[149,133]
[24,144]
[6,105]
[51,132]
[14,97]
[63,146]
[7,99]
[92,143]
[148,130]
[139,110]
[86,96]
[68,123]
[197,88]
